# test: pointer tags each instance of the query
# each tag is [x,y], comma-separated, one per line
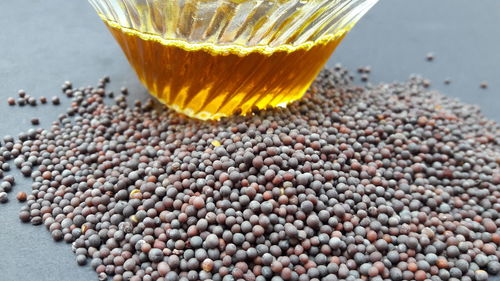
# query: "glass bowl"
[214,58]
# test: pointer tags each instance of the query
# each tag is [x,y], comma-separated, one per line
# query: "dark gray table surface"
[45,42]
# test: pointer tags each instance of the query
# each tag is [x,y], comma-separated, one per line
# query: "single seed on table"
[43,100]
[35,121]
[21,196]
[483,85]
[11,101]
[364,69]
[67,85]
[21,93]
[430,57]
[56,101]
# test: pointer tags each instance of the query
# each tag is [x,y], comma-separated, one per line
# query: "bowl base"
[208,81]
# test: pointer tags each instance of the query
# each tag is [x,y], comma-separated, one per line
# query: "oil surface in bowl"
[208,81]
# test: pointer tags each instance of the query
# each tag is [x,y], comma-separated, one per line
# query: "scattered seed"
[56,101]
[21,196]
[364,77]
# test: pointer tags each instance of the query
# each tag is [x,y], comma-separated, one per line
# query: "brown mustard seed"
[21,196]
[11,101]
[370,182]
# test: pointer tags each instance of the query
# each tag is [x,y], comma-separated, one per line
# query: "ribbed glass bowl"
[214,58]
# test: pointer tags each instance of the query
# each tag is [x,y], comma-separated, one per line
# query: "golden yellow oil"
[208,81]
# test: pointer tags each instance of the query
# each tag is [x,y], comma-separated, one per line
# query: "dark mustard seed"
[387,182]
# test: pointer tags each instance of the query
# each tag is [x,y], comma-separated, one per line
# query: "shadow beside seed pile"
[391,182]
